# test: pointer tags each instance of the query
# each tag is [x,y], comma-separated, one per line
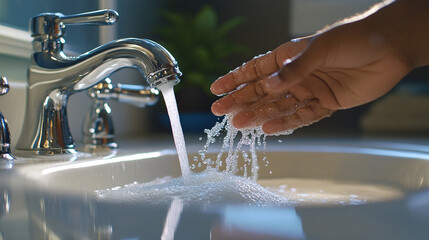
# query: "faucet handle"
[6,157]
[4,86]
[52,25]
[137,95]
[98,129]
[101,17]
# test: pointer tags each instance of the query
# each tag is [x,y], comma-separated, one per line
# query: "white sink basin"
[407,171]
[62,199]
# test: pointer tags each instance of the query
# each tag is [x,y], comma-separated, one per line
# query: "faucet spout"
[53,77]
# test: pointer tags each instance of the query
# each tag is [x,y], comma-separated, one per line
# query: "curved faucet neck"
[53,77]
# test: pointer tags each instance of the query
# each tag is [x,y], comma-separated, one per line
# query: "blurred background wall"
[263,26]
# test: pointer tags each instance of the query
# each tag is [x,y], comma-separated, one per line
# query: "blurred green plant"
[200,46]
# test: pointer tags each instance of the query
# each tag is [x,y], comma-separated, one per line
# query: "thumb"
[295,70]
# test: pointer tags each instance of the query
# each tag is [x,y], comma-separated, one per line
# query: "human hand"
[346,66]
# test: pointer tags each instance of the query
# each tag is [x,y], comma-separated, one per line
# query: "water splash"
[235,144]
[209,188]
[226,180]
[243,143]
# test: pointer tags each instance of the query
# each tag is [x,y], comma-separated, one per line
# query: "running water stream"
[179,139]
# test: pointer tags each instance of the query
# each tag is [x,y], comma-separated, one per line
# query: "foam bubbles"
[208,188]
[211,188]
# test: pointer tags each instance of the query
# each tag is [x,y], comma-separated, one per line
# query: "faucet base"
[100,143]
[6,161]
[51,151]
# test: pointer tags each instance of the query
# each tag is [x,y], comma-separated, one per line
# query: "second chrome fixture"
[98,128]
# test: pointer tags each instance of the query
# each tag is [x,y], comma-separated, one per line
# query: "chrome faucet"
[6,158]
[98,128]
[53,76]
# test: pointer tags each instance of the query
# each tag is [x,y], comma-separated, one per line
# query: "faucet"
[53,76]
[6,158]
[98,127]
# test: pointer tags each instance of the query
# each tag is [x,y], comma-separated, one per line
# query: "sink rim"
[35,175]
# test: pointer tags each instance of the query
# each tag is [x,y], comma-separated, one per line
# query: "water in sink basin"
[207,188]
[304,192]
[216,188]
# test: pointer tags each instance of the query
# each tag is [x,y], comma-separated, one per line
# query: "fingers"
[273,109]
[259,67]
[245,96]
[282,115]
[311,113]
[256,68]
[297,69]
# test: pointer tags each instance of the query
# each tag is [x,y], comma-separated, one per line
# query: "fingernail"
[273,81]
[215,89]
[274,126]
[223,106]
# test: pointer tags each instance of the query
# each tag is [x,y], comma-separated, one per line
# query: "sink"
[407,171]
[63,202]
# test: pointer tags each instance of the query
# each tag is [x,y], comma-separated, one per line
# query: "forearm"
[402,26]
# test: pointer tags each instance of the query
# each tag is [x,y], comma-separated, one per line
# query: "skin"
[348,64]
